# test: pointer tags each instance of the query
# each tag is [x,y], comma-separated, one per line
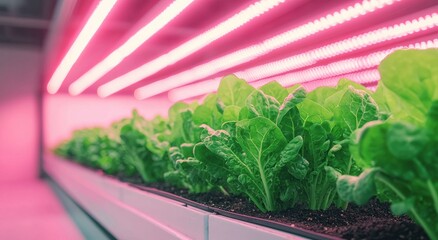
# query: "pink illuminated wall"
[64,113]
[19,83]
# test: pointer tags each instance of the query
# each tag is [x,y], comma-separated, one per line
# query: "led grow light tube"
[342,67]
[93,23]
[204,87]
[362,77]
[332,70]
[193,90]
[344,46]
[128,47]
[337,48]
[188,48]
[263,48]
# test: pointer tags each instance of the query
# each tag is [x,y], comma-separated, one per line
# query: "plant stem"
[268,197]
[256,202]
[350,163]
[312,197]
[327,199]
[344,204]
[138,163]
[433,193]
[224,191]
[428,229]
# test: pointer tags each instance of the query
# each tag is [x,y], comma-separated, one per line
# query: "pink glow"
[18,114]
[30,210]
[128,47]
[94,22]
[18,139]
[267,46]
[193,90]
[362,77]
[385,34]
[343,67]
[326,73]
[311,57]
[63,113]
[204,87]
[189,47]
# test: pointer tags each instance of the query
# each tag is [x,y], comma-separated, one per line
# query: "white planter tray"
[221,227]
[130,213]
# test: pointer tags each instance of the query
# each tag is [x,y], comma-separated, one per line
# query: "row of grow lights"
[257,62]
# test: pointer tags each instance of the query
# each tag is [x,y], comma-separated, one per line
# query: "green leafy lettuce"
[135,141]
[400,155]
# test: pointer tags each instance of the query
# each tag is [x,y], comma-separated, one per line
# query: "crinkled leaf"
[174,111]
[259,138]
[290,102]
[373,147]
[330,97]
[244,113]
[215,168]
[262,105]
[187,149]
[357,189]
[405,141]
[208,113]
[288,118]
[221,143]
[331,174]
[296,165]
[202,115]
[345,186]
[230,127]
[340,158]
[316,145]
[365,187]
[231,113]
[274,89]
[175,154]
[355,108]
[311,111]
[292,89]
[432,121]
[261,141]
[410,79]
[234,91]
[360,147]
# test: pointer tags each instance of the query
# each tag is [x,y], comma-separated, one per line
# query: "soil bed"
[371,221]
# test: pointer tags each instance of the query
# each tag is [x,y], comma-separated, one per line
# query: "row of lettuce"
[284,146]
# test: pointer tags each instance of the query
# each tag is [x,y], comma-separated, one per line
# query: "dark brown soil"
[371,221]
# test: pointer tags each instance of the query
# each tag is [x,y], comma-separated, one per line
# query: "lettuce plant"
[275,145]
[409,84]
[256,154]
[403,161]
[97,148]
[278,149]
[135,140]
[187,154]
[330,115]
[400,155]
